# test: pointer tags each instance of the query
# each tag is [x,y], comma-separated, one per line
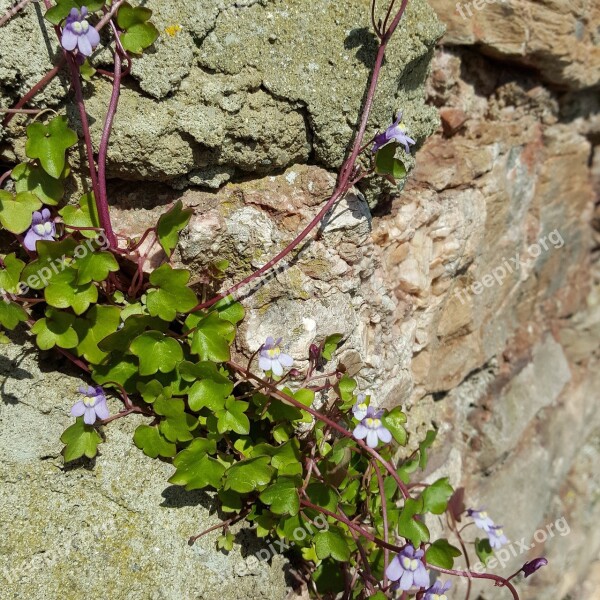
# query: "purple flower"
[272,358]
[394,133]
[42,228]
[372,428]
[529,568]
[359,410]
[481,518]
[77,33]
[497,537]
[438,591]
[92,406]
[408,569]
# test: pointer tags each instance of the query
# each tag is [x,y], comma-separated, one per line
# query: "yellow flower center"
[89,401]
[483,515]
[406,562]
[273,352]
[362,406]
[76,26]
[499,532]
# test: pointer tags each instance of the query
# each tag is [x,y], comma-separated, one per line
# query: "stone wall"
[472,298]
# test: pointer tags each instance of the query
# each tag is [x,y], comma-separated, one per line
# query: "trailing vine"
[249,431]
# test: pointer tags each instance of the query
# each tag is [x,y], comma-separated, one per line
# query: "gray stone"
[110,529]
[241,87]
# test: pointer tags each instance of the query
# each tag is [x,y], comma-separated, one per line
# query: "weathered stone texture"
[472,298]
[560,39]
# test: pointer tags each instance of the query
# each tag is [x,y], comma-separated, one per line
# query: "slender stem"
[386,552]
[321,417]
[500,581]
[40,85]
[350,524]
[5,176]
[21,111]
[226,523]
[102,198]
[13,11]
[344,179]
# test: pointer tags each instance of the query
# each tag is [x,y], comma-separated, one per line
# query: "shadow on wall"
[9,369]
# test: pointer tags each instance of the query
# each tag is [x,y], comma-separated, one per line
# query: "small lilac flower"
[529,568]
[408,569]
[438,591]
[394,133]
[497,537]
[481,518]
[92,406]
[42,228]
[78,33]
[359,410]
[372,428]
[272,358]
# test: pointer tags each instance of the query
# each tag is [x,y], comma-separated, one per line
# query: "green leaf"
[346,385]
[332,543]
[95,266]
[150,391]
[322,495]
[329,578]
[249,475]
[195,469]
[408,467]
[483,550]
[225,542]
[53,257]
[442,554]
[212,337]
[64,292]
[232,418]
[98,323]
[230,501]
[11,314]
[56,329]
[152,443]
[117,368]
[394,421]
[16,212]
[49,144]
[330,345]
[387,164]
[132,327]
[83,215]
[80,439]
[410,527]
[230,310]
[10,275]
[171,224]
[282,497]
[436,496]
[139,34]
[177,424]
[32,178]
[423,446]
[172,295]
[86,70]
[211,392]
[59,12]
[157,352]
[286,458]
